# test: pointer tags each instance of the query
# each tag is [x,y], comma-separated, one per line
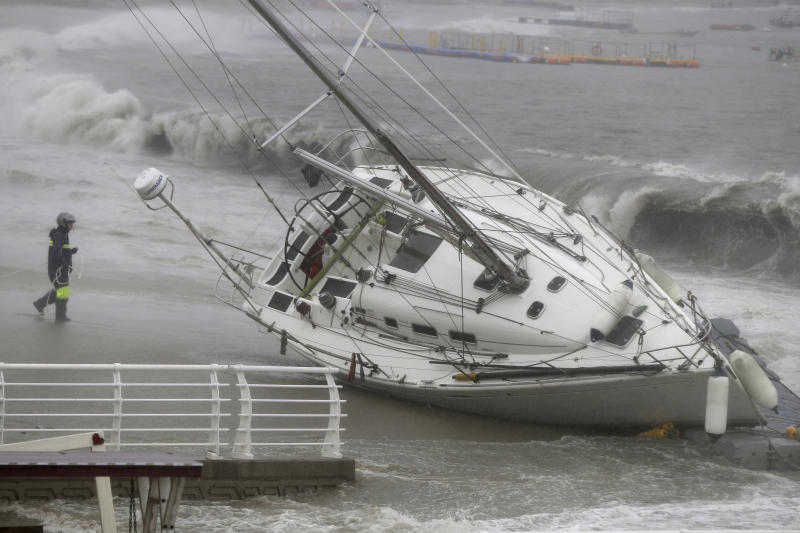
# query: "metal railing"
[222,408]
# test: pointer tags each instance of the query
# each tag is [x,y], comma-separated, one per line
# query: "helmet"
[65,218]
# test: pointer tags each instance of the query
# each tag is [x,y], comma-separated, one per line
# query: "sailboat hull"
[591,401]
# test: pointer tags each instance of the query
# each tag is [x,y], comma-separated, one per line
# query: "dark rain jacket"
[59,256]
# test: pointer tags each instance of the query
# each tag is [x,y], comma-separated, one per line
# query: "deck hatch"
[280,301]
[623,331]
[381,182]
[487,281]
[338,287]
[394,222]
[415,251]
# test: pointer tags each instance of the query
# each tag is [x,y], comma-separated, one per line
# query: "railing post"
[116,427]
[2,403]
[213,439]
[241,445]
[331,448]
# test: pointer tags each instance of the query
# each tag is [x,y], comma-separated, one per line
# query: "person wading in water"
[59,267]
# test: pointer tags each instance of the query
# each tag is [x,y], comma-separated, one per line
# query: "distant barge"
[547,59]
[733,27]
[623,25]
[542,3]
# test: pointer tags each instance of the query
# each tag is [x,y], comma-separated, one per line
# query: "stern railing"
[226,409]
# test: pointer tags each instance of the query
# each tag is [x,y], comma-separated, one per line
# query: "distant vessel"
[543,3]
[733,27]
[787,20]
[681,33]
[787,53]
[605,25]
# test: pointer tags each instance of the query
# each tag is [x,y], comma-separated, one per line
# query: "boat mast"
[514,281]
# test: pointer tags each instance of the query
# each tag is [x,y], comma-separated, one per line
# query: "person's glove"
[74,250]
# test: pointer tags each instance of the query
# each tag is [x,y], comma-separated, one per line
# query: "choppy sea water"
[698,167]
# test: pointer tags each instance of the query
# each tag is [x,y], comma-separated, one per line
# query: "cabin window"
[381,182]
[424,330]
[338,287]
[394,222]
[462,336]
[487,281]
[415,251]
[341,199]
[280,301]
[556,284]
[295,247]
[536,309]
[390,322]
[623,331]
[279,274]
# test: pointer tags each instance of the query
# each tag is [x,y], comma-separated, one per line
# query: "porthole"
[390,322]
[536,309]
[556,284]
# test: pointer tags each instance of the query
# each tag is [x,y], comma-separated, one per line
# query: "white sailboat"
[472,291]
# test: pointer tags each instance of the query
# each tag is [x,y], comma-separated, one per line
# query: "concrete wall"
[221,480]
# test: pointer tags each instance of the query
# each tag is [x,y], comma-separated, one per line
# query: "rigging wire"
[428,93]
[215,53]
[194,96]
[394,123]
[449,92]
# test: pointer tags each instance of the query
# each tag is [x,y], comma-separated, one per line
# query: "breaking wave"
[74,108]
[736,222]
[752,227]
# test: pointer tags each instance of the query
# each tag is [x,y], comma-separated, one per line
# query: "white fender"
[605,320]
[658,274]
[754,380]
[717,405]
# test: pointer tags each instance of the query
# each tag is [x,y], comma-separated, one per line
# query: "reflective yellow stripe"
[63,246]
[62,293]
